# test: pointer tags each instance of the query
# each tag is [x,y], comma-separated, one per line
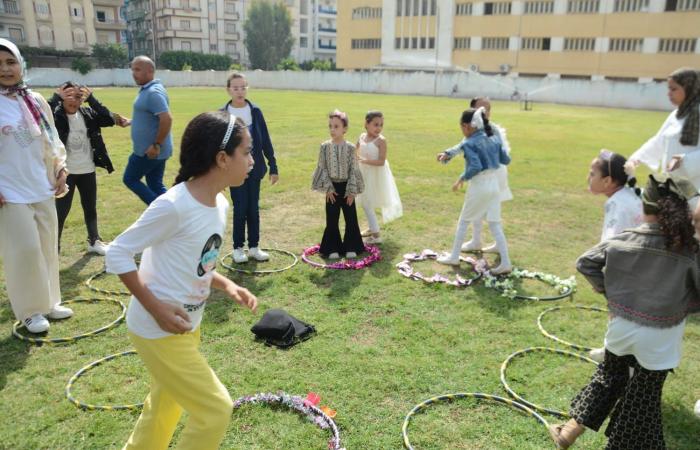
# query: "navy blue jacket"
[261,143]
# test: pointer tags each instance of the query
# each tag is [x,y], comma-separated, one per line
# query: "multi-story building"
[643,39]
[62,24]
[200,26]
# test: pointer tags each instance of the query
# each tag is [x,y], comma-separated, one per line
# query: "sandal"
[565,435]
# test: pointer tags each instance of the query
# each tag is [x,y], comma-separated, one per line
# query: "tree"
[110,56]
[81,65]
[268,35]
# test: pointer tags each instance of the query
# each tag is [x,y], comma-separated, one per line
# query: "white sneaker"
[490,248]
[471,246]
[258,254]
[60,312]
[697,408]
[36,323]
[501,270]
[597,354]
[97,247]
[334,255]
[448,261]
[350,255]
[239,256]
[374,240]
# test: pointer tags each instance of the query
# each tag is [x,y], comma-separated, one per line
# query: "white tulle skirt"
[380,191]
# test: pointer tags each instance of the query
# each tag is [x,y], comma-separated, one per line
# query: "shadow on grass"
[70,281]
[681,426]
[13,354]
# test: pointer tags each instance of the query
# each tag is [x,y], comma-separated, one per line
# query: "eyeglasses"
[606,155]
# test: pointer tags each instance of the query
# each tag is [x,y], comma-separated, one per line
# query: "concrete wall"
[456,84]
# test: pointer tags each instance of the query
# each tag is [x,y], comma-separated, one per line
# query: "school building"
[616,39]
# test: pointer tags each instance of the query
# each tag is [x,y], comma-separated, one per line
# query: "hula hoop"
[478,395]
[88,406]
[406,269]
[261,272]
[297,403]
[374,256]
[101,274]
[558,339]
[504,284]
[61,340]
[512,393]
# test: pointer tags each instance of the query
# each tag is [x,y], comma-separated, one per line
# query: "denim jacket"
[480,153]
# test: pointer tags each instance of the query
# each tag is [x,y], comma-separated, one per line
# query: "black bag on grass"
[279,328]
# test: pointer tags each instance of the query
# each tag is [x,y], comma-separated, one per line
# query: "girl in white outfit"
[380,187]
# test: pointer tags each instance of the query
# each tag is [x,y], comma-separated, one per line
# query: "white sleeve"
[504,138]
[158,223]
[652,152]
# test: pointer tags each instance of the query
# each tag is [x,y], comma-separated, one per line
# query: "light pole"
[437,45]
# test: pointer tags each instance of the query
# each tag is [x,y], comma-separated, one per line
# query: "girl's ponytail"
[676,224]
[632,184]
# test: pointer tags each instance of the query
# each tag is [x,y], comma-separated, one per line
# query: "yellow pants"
[181,379]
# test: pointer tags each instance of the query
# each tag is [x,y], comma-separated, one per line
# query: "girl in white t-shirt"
[32,172]
[623,208]
[180,235]
[380,187]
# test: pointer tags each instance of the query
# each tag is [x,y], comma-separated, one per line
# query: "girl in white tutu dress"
[380,187]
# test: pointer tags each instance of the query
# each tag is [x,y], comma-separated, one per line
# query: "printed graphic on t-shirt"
[210,254]
[21,134]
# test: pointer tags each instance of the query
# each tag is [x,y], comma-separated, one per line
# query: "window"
[583,6]
[16,34]
[579,44]
[186,46]
[43,9]
[677,46]
[463,9]
[185,24]
[494,43]
[496,8]
[631,5]
[539,7]
[79,37]
[625,45]
[303,42]
[212,26]
[358,44]
[229,8]
[366,12]
[682,5]
[414,8]
[101,17]
[230,27]
[462,43]
[535,44]
[76,11]
[303,25]
[45,35]
[303,7]
[213,47]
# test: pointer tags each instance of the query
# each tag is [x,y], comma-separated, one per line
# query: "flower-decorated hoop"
[558,339]
[233,268]
[63,340]
[373,256]
[450,397]
[505,284]
[89,406]
[405,268]
[298,404]
[512,393]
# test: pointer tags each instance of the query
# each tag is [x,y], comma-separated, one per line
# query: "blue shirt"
[480,153]
[151,101]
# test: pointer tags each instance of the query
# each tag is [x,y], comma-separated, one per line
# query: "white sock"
[501,244]
[476,233]
[462,226]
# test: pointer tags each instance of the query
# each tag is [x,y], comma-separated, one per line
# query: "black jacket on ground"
[96,116]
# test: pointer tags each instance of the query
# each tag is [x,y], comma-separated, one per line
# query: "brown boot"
[565,435]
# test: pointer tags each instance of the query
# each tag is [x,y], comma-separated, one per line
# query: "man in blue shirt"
[151,123]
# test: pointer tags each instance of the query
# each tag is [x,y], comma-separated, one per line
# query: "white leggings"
[371,218]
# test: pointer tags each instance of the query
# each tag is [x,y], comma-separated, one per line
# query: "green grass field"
[384,342]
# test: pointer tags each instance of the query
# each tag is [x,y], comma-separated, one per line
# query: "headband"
[478,119]
[229,131]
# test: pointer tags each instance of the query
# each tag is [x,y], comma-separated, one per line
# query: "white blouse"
[623,210]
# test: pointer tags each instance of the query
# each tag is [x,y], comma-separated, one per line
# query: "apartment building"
[199,26]
[619,39]
[62,24]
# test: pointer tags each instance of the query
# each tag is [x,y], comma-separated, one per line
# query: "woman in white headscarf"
[32,173]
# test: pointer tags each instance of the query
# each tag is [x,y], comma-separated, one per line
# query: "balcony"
[327,29]
[181,12]
[327,10]
[186,33]
[136,14]
[110,24]
[140,34]
[235,35]
[326,46]
[232,15]
[115,3]
[10,8]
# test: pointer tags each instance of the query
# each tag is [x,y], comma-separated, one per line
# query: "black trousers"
[352,240]
[633,404]
[87,185]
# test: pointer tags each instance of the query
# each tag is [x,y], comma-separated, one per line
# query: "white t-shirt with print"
[244,113]
[23,177]
[79,158]
[180,239]
[623,210]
